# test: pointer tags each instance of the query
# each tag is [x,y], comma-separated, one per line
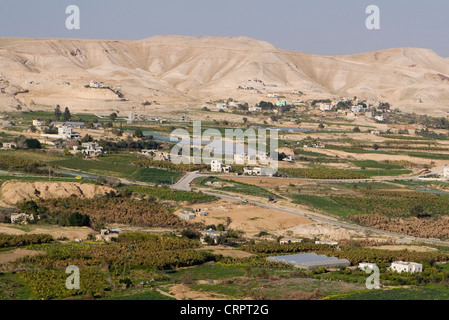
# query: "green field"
[375,165]
[434,156]
[236,187]
[388,203]
[120,169]
[385,173]
[326,204]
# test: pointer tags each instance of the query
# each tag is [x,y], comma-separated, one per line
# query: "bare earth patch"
[323,232]
[10,256]
[250,219]
[228,252]
[267,183]
[183,292]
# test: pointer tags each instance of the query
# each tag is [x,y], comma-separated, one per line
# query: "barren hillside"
[12,192]
[174,73]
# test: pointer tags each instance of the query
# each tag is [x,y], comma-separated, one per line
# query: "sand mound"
[13,192]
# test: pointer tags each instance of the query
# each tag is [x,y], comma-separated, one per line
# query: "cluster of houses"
[315,145]
[89,149]
[245,159]
[358,109]
[65,130]
[398,266]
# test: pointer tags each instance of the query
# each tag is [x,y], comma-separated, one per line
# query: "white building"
[210,233]
[94,84]
[402,266]
[253,171]
[186,215]
[38,123]
[445,171]
[359,108]
[254,109]
[240,158]
[289,240]
[161,156]
[9,145]
[72,124]
[380,118]
[108,234]
[370,114]
[328,243]
[21,218]
[364,265]
[91,149]
[289,158]
[64,132]
[218,166]
[326,106]
[222,106]
[273,95]
[67,133]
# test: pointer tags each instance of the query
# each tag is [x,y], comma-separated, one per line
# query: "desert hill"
[177,73]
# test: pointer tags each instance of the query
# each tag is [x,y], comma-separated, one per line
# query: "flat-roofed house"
[402,266]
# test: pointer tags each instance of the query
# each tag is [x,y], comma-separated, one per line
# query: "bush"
[77,219]
[33,144]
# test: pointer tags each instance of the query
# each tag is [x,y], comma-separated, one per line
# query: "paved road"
[184,182]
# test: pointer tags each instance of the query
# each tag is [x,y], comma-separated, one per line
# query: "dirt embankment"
[12,192]
[10,256]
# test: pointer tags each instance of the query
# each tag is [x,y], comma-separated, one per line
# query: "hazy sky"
[326,27]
